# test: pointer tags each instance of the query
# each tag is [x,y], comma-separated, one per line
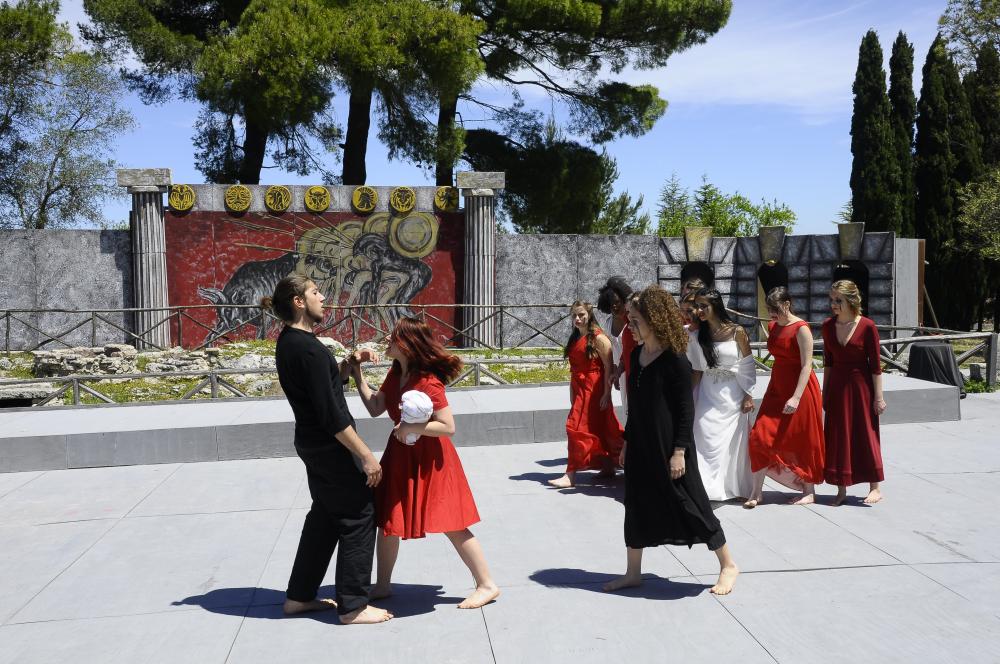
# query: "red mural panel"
[382,265]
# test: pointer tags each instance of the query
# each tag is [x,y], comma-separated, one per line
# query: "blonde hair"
[663,316]
[850,291]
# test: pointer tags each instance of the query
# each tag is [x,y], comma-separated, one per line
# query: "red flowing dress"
[853,446]
[789,446]
[423,488]
[593,434]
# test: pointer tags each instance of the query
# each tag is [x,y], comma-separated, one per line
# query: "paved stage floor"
[188,563]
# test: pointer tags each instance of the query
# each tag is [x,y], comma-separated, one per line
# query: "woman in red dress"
[786,443]
[423,489]
[594,434]
[852,395]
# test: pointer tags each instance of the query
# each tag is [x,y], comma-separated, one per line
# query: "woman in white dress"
[724,376]
[611,299]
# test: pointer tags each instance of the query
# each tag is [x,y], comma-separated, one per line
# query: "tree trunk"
[254,148]
[359,121]
[447,109]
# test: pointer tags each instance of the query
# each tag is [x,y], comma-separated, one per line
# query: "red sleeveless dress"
[593,434]
[423,488]
[790,447]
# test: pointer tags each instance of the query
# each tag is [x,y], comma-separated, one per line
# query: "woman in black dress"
[665,500]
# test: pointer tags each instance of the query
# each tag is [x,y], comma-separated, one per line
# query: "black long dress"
[659,510]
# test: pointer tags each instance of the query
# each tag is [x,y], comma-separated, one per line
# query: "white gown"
[616,356]
[721,429]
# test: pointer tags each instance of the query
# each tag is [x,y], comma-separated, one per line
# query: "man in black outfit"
[343,508]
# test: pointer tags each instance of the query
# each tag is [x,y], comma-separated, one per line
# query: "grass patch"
[131,391]
[978,387]
[241,348]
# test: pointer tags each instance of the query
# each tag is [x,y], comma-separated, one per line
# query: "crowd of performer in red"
[685,372]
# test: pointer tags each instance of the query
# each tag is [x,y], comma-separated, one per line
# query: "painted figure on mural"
[374,262]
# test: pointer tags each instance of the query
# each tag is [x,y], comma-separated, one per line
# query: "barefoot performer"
[852,395]
[593,433]
[665,500]
[342,515]
[786,443]
[425,489]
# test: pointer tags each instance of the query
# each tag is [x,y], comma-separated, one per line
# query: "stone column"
[149,265]
[479,190]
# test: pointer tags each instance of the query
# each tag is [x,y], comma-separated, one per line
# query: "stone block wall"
[559,269]
[64,269]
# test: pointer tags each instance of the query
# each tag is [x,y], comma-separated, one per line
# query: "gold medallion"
[238,198]
[364,199]
[277,198]
[446,199]
[317,199]
[402,199]
[181,197]
[415,235]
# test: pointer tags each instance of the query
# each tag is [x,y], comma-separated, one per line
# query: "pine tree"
[903,116]
[673,211]
[875,177]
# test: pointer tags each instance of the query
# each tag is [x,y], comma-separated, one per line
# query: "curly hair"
[592,329]
[663,315]
[615,287]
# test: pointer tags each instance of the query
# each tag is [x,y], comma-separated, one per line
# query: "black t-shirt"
[311,380]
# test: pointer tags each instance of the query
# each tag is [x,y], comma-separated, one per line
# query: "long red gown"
[423,488]
[593,434]
[853,445]
[790,446]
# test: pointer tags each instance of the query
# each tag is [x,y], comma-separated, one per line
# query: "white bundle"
[415,408]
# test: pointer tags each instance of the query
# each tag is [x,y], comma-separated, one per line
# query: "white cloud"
[805,62]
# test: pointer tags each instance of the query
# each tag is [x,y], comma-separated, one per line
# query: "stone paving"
[188,563]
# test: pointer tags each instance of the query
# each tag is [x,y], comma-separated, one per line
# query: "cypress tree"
[933,168]
[875,177]
[903,115]
[983,86]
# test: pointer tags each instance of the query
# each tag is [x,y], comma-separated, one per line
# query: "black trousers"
[341,519]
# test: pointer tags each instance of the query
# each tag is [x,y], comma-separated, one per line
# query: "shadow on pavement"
[653,587]
[553,463]
[408,599]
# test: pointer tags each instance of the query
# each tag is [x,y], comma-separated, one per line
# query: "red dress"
[853,446]
[593,434]
[789,446]
[423,488]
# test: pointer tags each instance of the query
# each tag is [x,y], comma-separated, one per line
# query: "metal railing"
[217,383]
[349,324]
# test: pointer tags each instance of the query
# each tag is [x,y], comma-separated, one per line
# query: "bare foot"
[753,502]
[873,497]
[379,592]
[481,597]
[804,499]
[727,579]
[293,607]
[622,582]
[368,615]
[563,482]
[841,497]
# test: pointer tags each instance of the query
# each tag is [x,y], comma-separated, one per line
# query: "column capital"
[144,180]
[478,192]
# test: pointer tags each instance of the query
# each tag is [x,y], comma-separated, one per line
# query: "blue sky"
[763,108]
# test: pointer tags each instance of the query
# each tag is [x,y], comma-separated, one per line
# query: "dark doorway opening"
[698,270]
[857,272]
[772,276]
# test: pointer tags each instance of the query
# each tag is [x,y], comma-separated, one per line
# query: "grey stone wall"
[65,269]
[558,269]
